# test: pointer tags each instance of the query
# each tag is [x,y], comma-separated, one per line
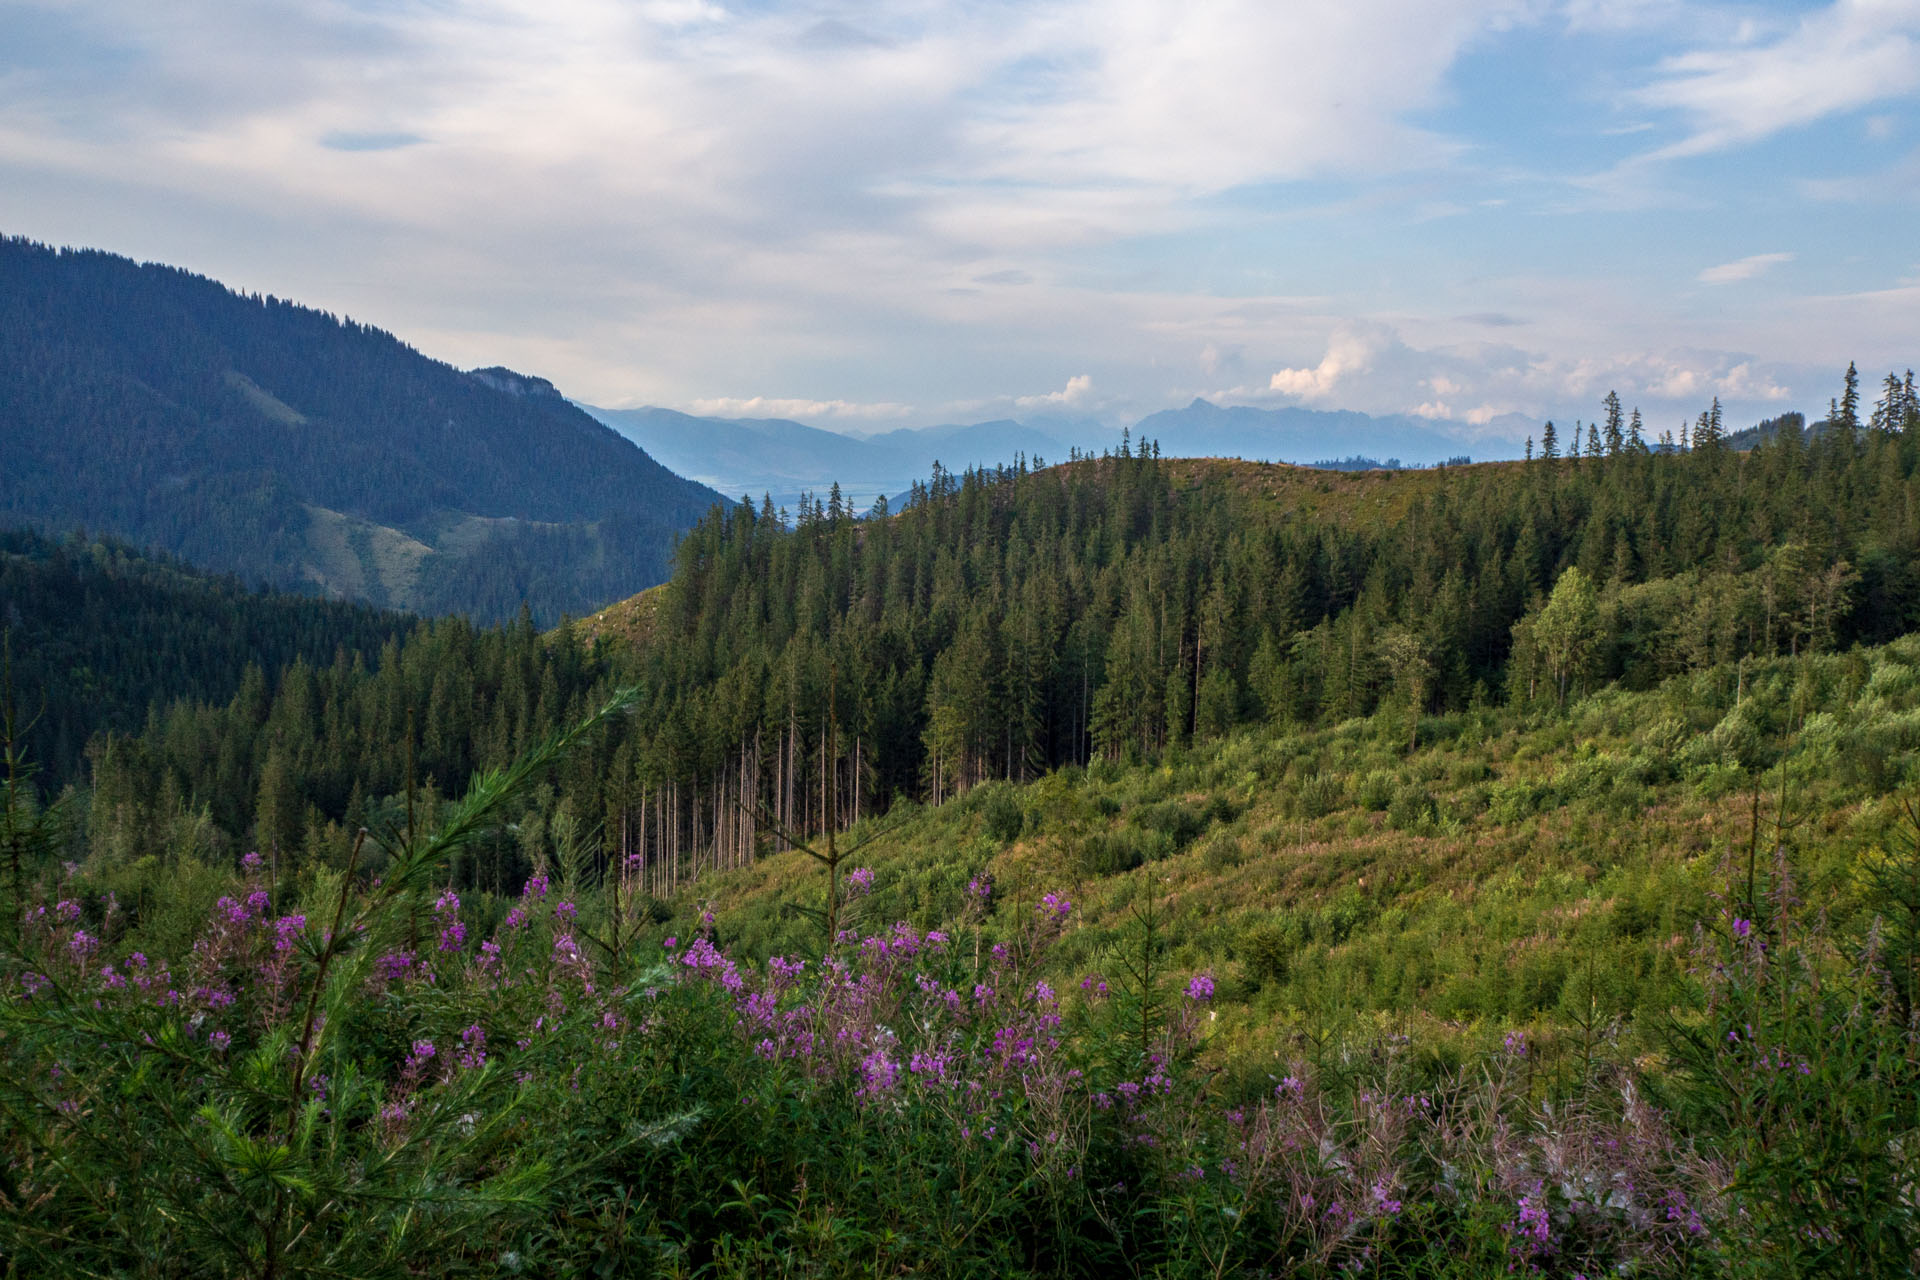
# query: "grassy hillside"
[1514,870]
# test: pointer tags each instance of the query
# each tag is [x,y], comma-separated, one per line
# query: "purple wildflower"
[1200,989]
[879,1074]
[473,1051]
[286,931]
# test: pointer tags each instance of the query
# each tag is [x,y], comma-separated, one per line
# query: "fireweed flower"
[473,1051]
[516,919]
[1200,989]
[860,881]
[1516,1043]
[785,973]
[1055,908]
[1741,928]
[879,1075]
[1531,1227]
[566,911]
[287,931]
[536,887]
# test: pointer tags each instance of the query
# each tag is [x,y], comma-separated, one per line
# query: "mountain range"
[782,458]
[255,436]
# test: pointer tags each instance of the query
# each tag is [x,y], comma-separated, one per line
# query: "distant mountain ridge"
[783,458]
[255,436]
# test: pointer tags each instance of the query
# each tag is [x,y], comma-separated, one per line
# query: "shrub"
[1002,817]
[1315,797]
[1412,809]
[1376,791]
[1105,853]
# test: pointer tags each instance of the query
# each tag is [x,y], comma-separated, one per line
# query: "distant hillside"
[99,633]
[263,438]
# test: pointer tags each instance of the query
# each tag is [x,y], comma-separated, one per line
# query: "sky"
[902,212]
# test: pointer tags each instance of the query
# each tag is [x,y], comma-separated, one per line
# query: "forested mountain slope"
[1010,622]
[99,634]
[255,436]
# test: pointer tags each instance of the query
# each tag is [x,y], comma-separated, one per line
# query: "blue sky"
[902,212]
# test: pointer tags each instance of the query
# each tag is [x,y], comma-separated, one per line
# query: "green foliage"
[1802,1059]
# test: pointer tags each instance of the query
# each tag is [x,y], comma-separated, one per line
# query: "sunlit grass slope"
[1513,870]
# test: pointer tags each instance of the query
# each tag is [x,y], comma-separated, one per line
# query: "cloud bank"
[889,212]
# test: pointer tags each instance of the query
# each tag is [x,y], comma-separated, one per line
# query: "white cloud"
[1078,391]
[1349,351]
[1743,268]
[776,407]
[1839,58]
[883,211]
